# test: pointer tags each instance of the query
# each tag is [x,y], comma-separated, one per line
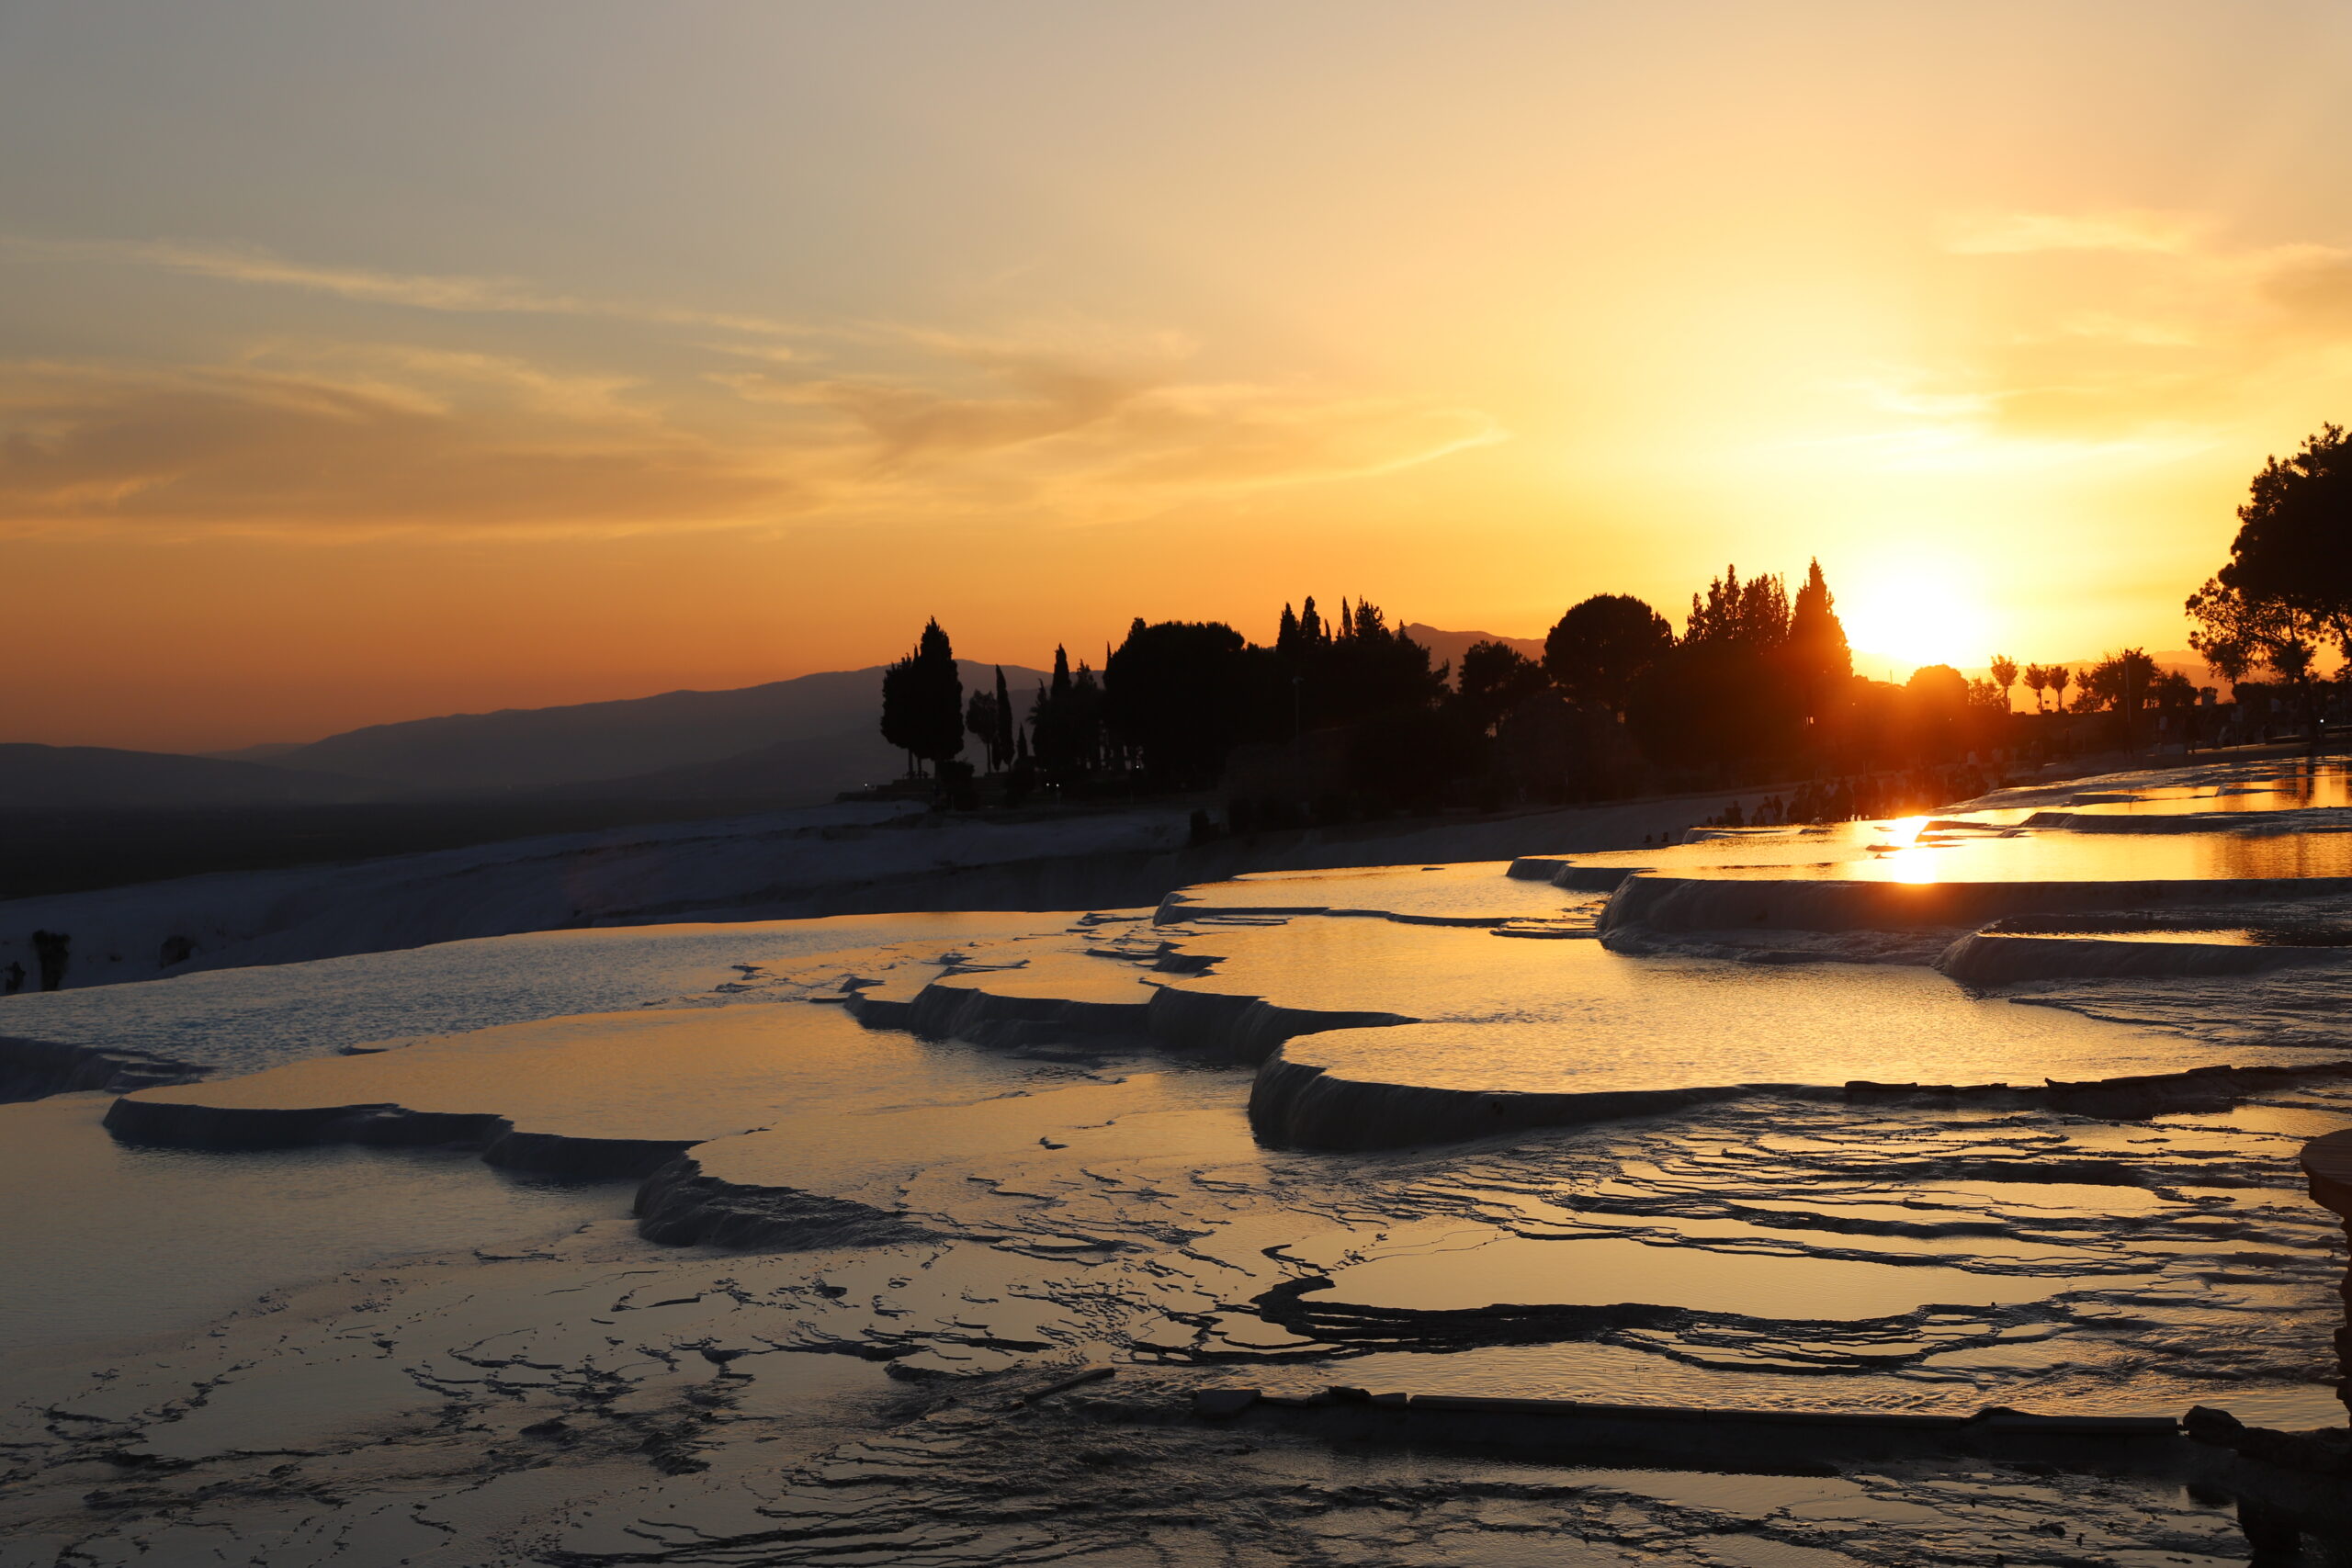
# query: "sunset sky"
[365,363]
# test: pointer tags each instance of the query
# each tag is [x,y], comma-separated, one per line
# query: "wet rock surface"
[34,1070]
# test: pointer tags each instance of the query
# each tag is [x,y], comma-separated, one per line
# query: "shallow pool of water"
[1476,1272]
[103,1242]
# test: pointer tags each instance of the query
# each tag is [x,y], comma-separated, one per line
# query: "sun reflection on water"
[1903,856]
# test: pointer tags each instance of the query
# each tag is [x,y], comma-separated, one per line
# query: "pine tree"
[1603,646]
[1818,652]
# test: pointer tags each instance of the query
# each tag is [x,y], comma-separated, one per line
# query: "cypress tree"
[898,705]
[1045,730]
[979,723]
[939,716]
[1005,723]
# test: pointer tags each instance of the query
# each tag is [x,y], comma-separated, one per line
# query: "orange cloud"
[249,448]
[342,436]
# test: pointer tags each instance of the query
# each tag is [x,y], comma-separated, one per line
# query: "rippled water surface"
[105,1242]
[843,1323]
[1545,1017]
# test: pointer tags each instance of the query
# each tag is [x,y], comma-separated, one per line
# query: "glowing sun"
[1921,613]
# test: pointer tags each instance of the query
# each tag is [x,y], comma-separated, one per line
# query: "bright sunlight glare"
[1917,614]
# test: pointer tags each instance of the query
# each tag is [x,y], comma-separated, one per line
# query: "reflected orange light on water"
[1902,857]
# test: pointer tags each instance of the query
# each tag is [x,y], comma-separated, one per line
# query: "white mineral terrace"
[982,1239]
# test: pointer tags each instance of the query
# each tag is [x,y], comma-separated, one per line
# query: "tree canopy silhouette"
[1496,677]
[2287,588]
[2004,673]
[923,701]
[2119,684]
[980,722]
[1345,714]
[1753,615]
[1065,721]
[1725,695]
[1818,653]
[1174,691]
[1601,647]
[2294,548]
[1939,685]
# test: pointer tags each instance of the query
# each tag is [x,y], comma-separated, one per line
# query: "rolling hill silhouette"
[814,736]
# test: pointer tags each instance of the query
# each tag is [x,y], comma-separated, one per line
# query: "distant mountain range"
[1448,648]
[534,748]
[795,742]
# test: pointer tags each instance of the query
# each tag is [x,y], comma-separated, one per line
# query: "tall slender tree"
[1005,721]
[1817,651]
[1054,722]
[979,723]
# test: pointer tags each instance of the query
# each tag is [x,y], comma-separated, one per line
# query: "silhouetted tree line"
[1345,714]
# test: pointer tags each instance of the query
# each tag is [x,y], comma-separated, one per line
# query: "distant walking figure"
[49,951]
[15,977]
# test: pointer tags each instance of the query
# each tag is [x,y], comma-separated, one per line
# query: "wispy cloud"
[2115,332]
[1081,421]
[342,439]
[423,291]
[2021,233]
[1058,424]
[258,449]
